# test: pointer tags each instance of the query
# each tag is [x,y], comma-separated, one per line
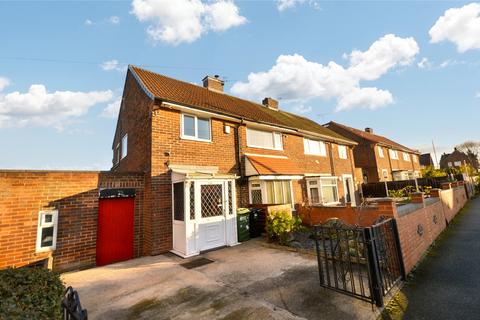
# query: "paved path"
[447,283]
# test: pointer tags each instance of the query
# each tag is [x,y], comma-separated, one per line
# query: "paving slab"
[249,281]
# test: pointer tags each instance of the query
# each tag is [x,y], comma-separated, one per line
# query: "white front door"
[349,189]
[211,218]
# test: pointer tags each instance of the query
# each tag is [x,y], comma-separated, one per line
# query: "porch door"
[115,230]
[211,222]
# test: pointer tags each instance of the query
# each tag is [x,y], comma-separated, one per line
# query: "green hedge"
[30,293]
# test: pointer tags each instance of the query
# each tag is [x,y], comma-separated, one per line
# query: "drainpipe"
[332,163]
[239,150]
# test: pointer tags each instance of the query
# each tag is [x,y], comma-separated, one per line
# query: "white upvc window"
[124,146]
[271,192]
[322,190]
[196,128]
[380,152]
[457,163]
[450,164]
[393,154]
[47,230]
[415,158]
[342,152]
[264,139]
[314,147]
[406,156]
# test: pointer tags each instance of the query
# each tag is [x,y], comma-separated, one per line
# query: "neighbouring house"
[426,160]
[205,153]
[184,158]
[457,159]
[380,158]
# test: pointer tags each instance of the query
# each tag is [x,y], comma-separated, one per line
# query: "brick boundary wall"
[75,194]
[419,222]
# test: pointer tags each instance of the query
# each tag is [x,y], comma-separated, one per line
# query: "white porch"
[204,210]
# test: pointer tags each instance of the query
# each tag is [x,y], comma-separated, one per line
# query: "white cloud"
[288,4]
[114,20]
[477,95]
[301,109]
[424,63]
[42,108]
[293,78]
[4,82]
[460,26]
[111,65]
[88,22]
[112,109]
[177,21]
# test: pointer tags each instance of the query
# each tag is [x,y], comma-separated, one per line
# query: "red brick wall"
[350,215]
[75,195]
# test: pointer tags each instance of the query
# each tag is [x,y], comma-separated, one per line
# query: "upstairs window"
[264,139]
[342,152]
[393,154]
[314,147]
[415,158]
[124,146]
[195,128]
[406,156]
[380,152]
[47,230]
[117,154]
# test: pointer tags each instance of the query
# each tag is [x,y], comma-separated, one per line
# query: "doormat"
[196,263]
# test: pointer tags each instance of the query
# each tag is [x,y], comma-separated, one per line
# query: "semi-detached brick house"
[205,153]
[380,158]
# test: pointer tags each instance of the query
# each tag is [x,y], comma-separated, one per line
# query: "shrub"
[30,293]
[280,224]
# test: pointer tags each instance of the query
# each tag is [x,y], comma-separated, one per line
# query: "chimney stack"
[270,103]
[369,130]
[213,83]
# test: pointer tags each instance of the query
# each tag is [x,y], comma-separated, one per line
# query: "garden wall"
[75,194]
[419,222]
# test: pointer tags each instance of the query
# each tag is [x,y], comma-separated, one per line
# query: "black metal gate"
[365,263]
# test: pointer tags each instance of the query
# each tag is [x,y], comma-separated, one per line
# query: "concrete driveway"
[249,281]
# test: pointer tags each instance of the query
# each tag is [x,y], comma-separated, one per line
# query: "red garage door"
[115,230]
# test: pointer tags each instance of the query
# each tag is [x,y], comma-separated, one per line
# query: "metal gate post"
[399,249]
[317,246]
[374,271]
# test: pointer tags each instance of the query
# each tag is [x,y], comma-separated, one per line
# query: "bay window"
[264,139]
[322,190]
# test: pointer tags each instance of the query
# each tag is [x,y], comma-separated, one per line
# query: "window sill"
[264,148]
[316,155]
[44,250]
[195,139]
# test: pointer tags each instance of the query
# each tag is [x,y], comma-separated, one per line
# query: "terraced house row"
[202,154]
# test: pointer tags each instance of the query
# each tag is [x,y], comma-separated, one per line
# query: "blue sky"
[424,87]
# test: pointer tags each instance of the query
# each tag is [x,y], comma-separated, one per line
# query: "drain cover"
[196,263]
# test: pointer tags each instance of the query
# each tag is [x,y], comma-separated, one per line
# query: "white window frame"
[342,152]
[380,152]
[406,156]
[124,148]
[307,147]
[263,188]
[450,164]
[457,163]
[42,224]
[415,158]
[195,137]
[393,154]
[319,186]
[275,135]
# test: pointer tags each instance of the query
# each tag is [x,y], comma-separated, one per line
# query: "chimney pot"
[270,103]
[369,130]
[213,83]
